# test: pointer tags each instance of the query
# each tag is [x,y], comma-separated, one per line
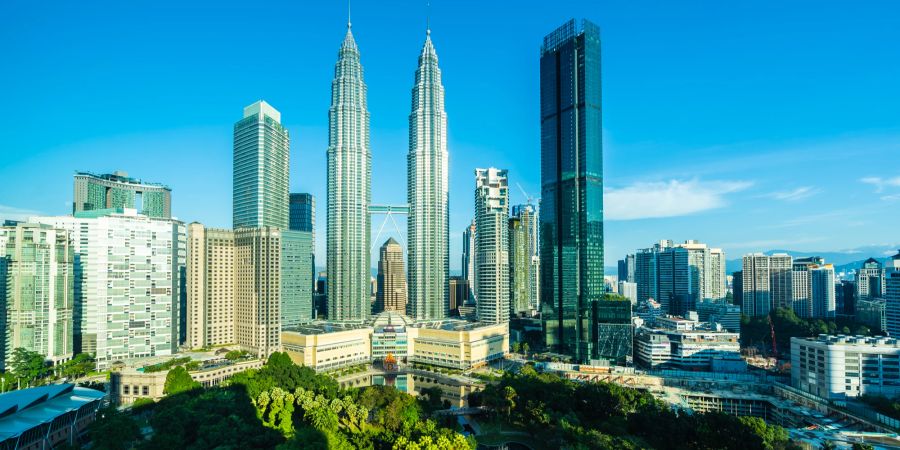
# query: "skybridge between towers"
[388,211]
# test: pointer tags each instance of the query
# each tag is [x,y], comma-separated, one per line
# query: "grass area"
[495,433]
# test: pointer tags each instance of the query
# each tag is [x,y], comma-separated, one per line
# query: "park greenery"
[755,331]
[159,367]
[27,368]
[284,406]
[552,412]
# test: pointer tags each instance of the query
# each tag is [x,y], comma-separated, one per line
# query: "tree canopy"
[179,380]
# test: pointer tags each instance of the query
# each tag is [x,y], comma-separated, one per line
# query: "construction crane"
[528,199]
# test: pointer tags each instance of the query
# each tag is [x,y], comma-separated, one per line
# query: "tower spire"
[348,15]
[427,17]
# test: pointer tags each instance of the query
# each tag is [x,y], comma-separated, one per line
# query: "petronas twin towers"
[350,191]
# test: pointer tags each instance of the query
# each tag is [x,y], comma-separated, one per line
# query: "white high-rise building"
[427,193]
[349,189]
[766,283]
[812,288]
[128,285]
[492,245]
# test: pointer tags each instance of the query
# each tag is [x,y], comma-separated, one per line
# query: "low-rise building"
[131,383]
[837,367]
[451,343]
[46,416]
[692,349]
[721,312]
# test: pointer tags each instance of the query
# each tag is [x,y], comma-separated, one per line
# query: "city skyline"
[726,167]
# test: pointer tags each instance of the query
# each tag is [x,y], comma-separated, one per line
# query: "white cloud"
[797,194]
[13,213]
[646,200]
[881,183]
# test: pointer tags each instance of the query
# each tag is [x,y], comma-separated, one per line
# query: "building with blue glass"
[571,217]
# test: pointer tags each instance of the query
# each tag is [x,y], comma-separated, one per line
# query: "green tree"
[515,347]
[113,430]
[861,446]
[27,365]
[179,380]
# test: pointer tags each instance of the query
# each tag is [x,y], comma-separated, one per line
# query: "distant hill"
[843,261]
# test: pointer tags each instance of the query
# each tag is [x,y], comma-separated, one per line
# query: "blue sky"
[747,125]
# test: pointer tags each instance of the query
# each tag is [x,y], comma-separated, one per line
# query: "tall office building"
[459,293]
[492,245]
[524,263]
[118,190]
[766,283]
[261,163]
[349,189]
[296,277]
[679,276]
[571,219]
[36,292]
[870,280]
[128,281]
[468,258]
[845,297]
[427,192]
[892,296]
[737,287]
[302,212]
[257,292]
[391,292]
[210,286]
[812,287]
[626,269]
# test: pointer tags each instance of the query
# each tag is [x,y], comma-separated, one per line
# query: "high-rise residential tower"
[468,259]
[210,286]
[302,212]
[349,189]
[492,245]
[427,192]
[261,162]
[36,292]
[813,288]
[766,283]
[391,293]
[128,280]
[524,263]
[118,190]
[571,218]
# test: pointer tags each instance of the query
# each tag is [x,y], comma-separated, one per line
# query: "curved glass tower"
[349,189]
[429,295]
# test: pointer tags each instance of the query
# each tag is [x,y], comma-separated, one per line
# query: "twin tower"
[350,191]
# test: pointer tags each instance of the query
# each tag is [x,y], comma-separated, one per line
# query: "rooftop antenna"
[427,17]
[348,15]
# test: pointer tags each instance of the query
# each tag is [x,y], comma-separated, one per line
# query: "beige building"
[391,292]
[450,343]
[257,293]
[210,281]
[129,384]
[328,346]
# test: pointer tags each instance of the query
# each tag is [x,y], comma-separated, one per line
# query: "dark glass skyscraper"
[302,212]
[571,217]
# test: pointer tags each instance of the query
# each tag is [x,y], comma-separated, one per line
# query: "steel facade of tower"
[427,192]
[261,162]
[571,216]
[349,189]
[468,259]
